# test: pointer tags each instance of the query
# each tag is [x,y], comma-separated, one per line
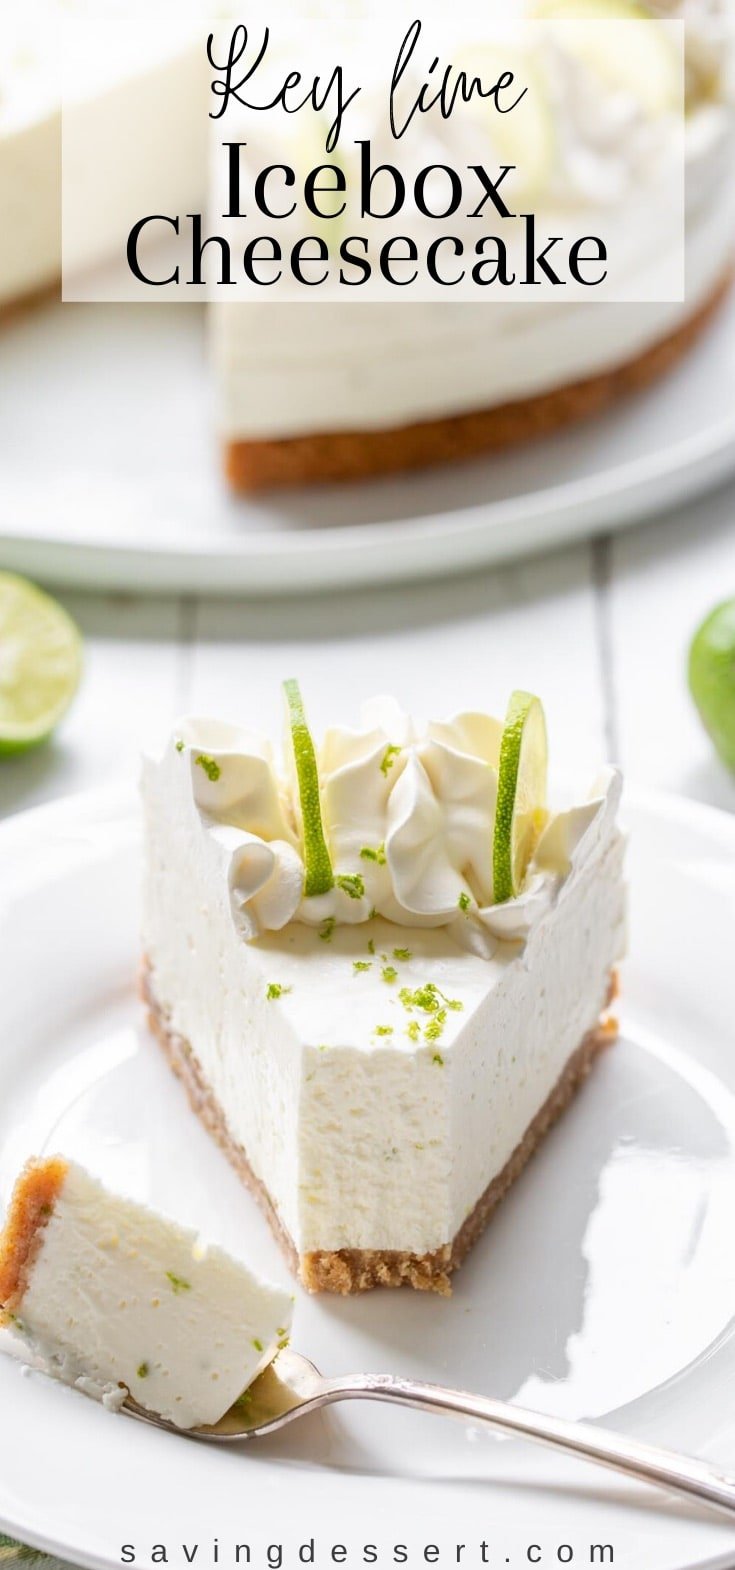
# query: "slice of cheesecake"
[378,1059]
[116,1299]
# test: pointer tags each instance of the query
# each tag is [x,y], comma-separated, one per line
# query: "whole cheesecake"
[381,973]
[310,393]
[156,90]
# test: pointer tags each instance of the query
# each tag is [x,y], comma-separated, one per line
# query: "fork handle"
[679,1474]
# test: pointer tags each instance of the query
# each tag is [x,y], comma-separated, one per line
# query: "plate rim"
[345,555]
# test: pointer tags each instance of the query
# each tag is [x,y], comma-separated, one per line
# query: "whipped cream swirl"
[408,815]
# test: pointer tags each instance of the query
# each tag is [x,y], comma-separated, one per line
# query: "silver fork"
[292,1387]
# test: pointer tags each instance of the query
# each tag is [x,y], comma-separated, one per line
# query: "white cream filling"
[350,1097]
[120,1296]
[285,371]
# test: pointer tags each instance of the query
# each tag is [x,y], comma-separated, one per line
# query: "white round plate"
[110,476]
[604,1288]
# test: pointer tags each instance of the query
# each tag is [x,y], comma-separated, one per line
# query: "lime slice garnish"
[521,807]
[712,677]
[40,664]
[525,138]
[643,63]
[318,875]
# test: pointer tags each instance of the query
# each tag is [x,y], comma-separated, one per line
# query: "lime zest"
[435,1027]
[351,883]
[429,998]
[275,989]
[521,804]
[388,759]
[178,1283]
[374,853]
[318,875]
[209,765]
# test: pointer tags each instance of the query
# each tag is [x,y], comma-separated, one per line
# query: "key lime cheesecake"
[312,393]
[153,86]
[381,966]
[116,1299]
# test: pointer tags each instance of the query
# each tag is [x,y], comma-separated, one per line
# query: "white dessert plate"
[110,474]
[605,1287]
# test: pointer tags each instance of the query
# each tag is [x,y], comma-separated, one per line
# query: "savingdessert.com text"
[322,1555]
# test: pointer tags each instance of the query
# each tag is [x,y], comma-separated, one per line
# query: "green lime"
[644,63]
[40,664]
[712,677]
[318,875]
[521,806]
[525,139]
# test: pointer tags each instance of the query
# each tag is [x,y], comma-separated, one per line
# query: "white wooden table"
[600,632]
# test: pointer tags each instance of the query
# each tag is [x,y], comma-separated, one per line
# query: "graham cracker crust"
[346,1271]
[31,1203]
[355,455]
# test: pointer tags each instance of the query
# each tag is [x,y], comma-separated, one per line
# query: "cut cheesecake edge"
[331,456]
[348,1271]
[119,1301]
[31,1206]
